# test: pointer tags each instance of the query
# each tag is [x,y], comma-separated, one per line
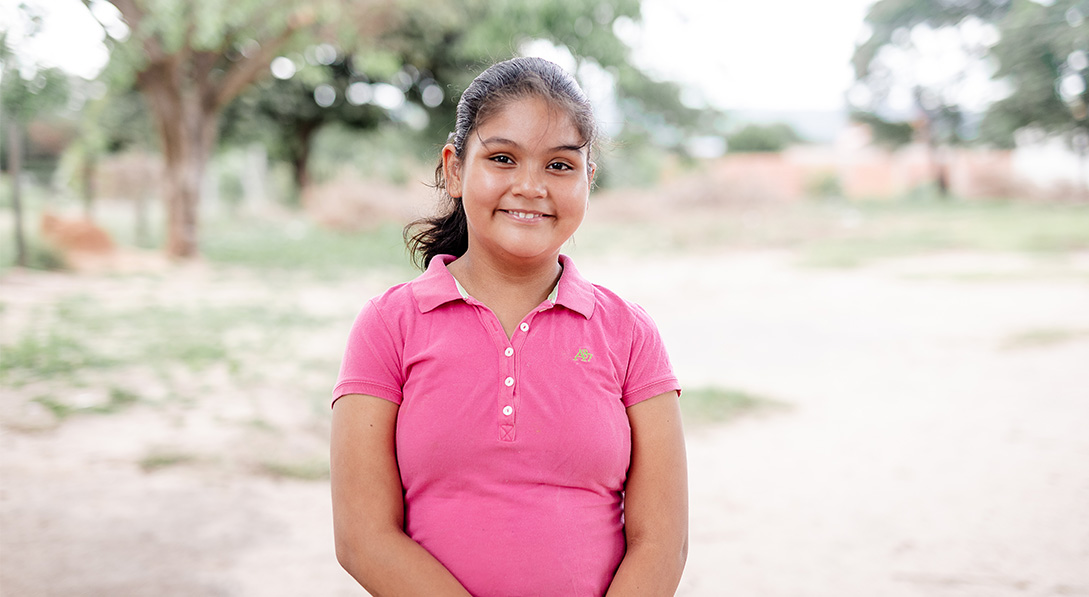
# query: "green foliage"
[892,23]
[26,91]
[442,46]
[886,133]
[1039,52]
[890,20]
[825,185]
[1036,54]
[762,138]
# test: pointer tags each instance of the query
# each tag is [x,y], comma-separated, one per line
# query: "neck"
[488,278]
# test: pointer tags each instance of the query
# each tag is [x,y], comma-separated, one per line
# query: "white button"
[524,327]
[509,351]
[509,381]
[507,410]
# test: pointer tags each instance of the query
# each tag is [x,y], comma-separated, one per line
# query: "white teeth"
[523,215]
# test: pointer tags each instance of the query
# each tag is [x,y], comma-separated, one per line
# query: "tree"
[886,133]
[922,55]
[286,115]
[762,138]
[431,51]
[1044,55]
[26,92]
[191,59]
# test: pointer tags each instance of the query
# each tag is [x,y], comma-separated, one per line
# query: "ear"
[593,170]
[451,170]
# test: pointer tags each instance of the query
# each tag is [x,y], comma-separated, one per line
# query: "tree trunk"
[89,174]
[187,130]
[300,153]
[15,170]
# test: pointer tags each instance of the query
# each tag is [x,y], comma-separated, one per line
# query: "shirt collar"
[436,287]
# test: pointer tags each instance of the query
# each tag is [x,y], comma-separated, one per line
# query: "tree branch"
[249,69]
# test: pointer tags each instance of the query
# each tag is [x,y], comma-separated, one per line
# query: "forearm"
[392,564]
[649,569]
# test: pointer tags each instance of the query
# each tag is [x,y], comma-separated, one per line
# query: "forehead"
[530,118]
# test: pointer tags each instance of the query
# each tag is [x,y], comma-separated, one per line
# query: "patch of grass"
[48,353]
[303,470]
[300,246]
[160,459]
[78,334]
[117,400]
[892,229]
[43,257]
[1044,337]
[716,405]
[854,233]
[59,409]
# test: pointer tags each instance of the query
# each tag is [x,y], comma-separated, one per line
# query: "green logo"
[583,355]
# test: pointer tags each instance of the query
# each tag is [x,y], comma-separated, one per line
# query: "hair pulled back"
[447,233]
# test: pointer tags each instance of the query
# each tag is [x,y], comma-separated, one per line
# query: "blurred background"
[862,227]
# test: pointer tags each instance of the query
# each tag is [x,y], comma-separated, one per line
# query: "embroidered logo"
[583,355]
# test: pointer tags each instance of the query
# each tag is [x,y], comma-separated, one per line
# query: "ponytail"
[444,234]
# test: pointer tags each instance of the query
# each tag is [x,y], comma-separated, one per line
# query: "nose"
[529,184]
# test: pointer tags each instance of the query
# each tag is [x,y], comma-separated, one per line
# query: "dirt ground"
[937,444]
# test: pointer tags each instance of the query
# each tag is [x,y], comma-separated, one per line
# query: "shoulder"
[621,311]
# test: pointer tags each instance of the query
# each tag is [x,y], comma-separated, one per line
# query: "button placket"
[508,409]
[506,414]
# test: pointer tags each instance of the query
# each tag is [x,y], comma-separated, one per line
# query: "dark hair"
[517,78]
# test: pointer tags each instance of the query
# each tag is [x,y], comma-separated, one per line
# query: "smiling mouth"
[524,215]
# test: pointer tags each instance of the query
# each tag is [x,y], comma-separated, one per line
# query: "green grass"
[160,459]
[1044,338]
[299,246]
[883,230]
[303,470]
[717,405]
[78,335]
[118,399]
[851,234]
[49,352]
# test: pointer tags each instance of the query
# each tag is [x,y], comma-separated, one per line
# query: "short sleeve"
[372,359]
[649,370]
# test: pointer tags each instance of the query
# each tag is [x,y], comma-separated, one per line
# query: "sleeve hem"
[365,387]
[651,390]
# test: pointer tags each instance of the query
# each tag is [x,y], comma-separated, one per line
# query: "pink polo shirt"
[513,452]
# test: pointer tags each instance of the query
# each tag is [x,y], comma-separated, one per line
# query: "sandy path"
[923,455]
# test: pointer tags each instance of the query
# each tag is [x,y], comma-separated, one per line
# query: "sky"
[734,54]
[745,55]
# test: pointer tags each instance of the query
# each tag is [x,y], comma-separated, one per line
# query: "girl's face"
[524,180]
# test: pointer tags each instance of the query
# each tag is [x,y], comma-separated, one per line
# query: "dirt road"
[937,445]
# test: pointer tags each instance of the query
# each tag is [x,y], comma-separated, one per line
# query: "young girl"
[501,426]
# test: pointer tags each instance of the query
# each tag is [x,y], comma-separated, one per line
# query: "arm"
[655,501]
[368,505]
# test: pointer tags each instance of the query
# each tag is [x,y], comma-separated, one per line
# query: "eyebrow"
[505,141]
